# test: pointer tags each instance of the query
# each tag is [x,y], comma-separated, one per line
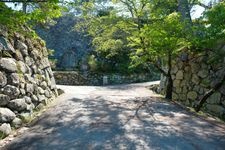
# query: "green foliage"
[11,18]
[92,62]
[41,13]
[209,29]
[44,13]
[216,32]
[111,32]
[209,33]
[216,19]
[51,52]
[166,34]
[109,39]
[52,62]
[160,38]
[150,31]
[154,32]
[162,8]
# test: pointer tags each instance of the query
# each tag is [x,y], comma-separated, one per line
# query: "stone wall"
[70,47]
[193,77]
[26,79]
[69,78]
[75,78]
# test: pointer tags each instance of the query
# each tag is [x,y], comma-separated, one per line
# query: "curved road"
[118,117]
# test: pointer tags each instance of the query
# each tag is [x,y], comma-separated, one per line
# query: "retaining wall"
[26,79]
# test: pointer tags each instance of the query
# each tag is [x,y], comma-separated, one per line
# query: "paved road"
[118,117]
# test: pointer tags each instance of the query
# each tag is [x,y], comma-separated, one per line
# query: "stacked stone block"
[26,79]
[76,78]
[194,77]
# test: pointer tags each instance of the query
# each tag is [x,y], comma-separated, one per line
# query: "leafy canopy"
[39,13]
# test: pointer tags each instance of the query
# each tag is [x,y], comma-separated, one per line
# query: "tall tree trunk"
[183,8]
[24,7]
[169,86]
[209,93]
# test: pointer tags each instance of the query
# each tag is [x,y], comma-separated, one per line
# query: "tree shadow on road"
[101,123]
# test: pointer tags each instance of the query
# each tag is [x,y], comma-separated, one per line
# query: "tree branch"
[203,5]
[129,7]
[209,93]
[161,70]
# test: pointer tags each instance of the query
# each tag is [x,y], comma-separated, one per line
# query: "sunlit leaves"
[209,29]
[161,37]
[154,29]
[41,13]
[11,18]
[45,12]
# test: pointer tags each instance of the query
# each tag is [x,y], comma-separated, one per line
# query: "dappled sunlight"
[116,51]
[105,121]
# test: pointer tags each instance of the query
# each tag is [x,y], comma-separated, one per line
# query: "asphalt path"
[118,117]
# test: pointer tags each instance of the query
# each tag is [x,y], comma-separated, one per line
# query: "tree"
[160,36]
[184,34]
[110,32]
[164,39]
[141,23]
[158,30]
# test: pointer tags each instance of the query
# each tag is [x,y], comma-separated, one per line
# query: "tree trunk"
[209,93]
[169,86]
[24,7]
[183,8]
